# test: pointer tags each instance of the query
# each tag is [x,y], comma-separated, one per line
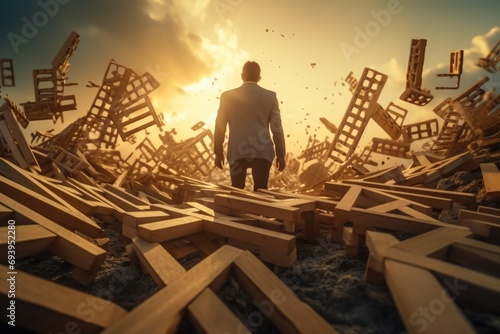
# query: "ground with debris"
[323,276]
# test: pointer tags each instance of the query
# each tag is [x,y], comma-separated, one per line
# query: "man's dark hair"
[251,71]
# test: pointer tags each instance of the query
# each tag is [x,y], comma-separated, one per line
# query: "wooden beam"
[135,218]
[276,300]
[62,214]
[459,197]
[479,289]
[209,315]
[158,262]
[257,236]
[364,219]
[434,241]
[29,239]
[44,306]
[284,213]
[162,312]
[430,309]
[68,246]
[170,229]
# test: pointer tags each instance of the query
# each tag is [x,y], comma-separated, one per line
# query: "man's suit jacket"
[250,111]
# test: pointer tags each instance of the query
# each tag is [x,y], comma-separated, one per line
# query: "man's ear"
[259,78]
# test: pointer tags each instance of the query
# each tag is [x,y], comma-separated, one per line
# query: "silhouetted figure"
[252,114]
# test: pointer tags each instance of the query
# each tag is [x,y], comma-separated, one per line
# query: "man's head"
[251,71]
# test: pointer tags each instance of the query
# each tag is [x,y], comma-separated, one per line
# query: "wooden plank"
[276,300]
[29,239]
[19,137]
[170,229]
[68,246]
[135,218]
[480,289]
[485,217]
[364,219]
[489,231]
[162,312]
[344,206]
[488,210]
[434,241]
[158,262]
[125,195]
[258,236]
[5,214]
[210,315]
[124,203]
[258,207]
[377,196]
[44,307]
[88,207]
[11,144]
[459,197]
[475,258]
[54,211]
[442,314]
[201,241]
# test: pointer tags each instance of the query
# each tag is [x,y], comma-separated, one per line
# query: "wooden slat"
[443,315]
[68,246]
[258,236]
[54,211]
[364,219]
[276,300]
[44,307]
[491,179]
[258,207]
[170,229]
[135,218]
[464,198]
[162,312]
[29,239]
[210,315]
[433,241]
[479,259]
[480,289]
[158,262]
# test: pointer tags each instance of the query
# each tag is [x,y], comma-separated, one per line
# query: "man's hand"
[280,163]
[219,160]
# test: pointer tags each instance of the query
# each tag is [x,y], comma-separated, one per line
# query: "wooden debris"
[7,78]
[414,93]
[455,69]
[44,306]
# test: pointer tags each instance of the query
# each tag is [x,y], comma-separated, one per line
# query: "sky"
[196,50]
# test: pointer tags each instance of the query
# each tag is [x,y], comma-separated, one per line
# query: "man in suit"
[250,111]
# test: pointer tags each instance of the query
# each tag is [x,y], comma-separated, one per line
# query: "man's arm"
[278,136]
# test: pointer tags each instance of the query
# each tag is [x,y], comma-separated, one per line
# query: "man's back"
[248,111]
